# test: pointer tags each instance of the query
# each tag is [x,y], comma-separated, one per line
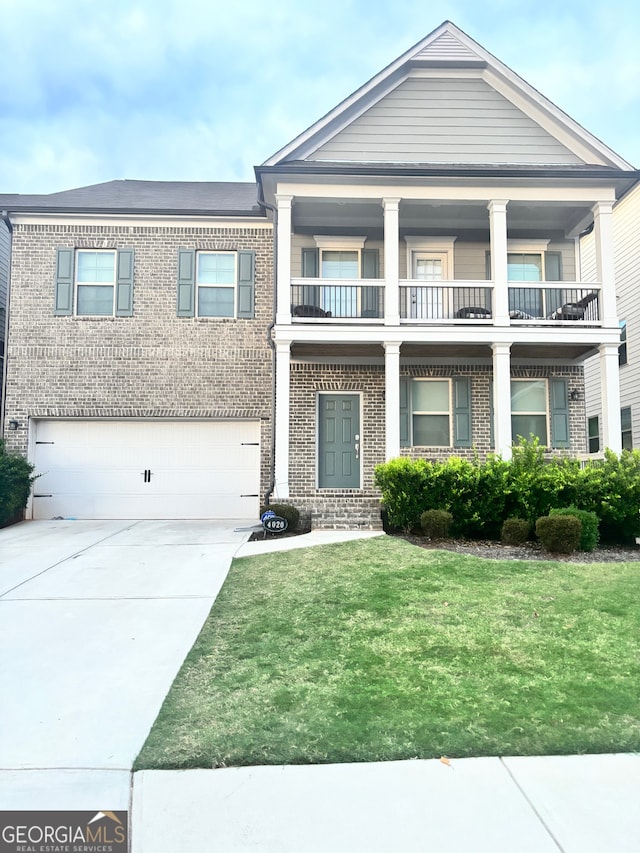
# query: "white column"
[283,259]
[392,399]
[499,272]
[502,399]
[391,261]
[281,419]
[605,267]
[610,395]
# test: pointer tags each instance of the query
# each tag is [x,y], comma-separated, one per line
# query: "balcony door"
[428,300]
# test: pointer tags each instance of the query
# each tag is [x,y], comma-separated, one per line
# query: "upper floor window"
[622,349]
[216,283]
[94,282]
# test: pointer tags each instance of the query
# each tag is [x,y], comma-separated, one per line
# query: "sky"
[204,90]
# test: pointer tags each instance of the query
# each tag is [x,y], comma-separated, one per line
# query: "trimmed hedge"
[515,531]
[559,534]
[590,524]
[436,523]
[15,485]
[480,496]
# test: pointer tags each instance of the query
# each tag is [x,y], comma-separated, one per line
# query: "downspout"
[272,466]
[4,215]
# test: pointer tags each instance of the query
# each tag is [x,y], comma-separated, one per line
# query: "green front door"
[339,441]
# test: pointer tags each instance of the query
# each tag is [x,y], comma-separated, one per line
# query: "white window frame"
[449,413]
[330,296]
[78,283]
[547,442]
[222,286]
[590,420]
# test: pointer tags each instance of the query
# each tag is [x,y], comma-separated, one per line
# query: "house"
[140,372]
[626,238]
[5,257]
[403,279]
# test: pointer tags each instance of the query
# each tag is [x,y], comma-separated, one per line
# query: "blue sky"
[94,90]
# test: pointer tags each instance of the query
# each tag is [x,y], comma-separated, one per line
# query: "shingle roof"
[182,197]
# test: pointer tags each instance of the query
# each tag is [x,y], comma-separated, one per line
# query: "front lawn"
[376,650]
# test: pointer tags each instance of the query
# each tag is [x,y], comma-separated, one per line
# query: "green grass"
[377,650]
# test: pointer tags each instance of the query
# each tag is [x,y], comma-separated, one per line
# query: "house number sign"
[273,523]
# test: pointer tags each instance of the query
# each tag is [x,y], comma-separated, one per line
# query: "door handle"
[146,475]
[356,446]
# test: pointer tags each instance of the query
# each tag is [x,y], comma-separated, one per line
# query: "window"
[94,282]
[431,402]
[627,438]
[523,267]
[216,284]
[622,349]
[435,412]
[345,261]
[529,409]
[593,430]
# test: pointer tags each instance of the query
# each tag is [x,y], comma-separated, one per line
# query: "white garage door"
[147,469]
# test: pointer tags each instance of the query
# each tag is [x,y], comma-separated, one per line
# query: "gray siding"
[458,120]
[626,235]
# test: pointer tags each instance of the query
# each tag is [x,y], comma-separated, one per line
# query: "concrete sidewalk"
[95,622]
[585,804]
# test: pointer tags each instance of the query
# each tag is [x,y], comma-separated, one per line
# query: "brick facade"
[361,508]
[151,365]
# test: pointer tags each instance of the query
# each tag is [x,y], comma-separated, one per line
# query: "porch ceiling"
[365,216]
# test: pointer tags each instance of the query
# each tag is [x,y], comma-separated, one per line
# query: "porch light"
[13,425]
[574,394]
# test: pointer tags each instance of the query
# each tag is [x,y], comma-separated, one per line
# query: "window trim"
[623,354]
[596,437]
[413,411]
[547,414]
[77,284]
[226,286]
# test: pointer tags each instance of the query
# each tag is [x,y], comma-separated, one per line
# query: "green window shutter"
[63,305]
[553,266]
[492,442]
[186,282]
[405,438]
[309,294]
[559,413]
[370,293]
[246,285]
[310,263]
[461,411]
[124,283]
[370,263]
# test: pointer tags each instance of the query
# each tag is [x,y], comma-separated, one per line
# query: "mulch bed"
[529,551]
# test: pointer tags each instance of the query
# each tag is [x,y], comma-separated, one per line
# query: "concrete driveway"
[96,618]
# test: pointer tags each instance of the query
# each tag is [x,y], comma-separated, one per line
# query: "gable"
[429,119]
[448,101]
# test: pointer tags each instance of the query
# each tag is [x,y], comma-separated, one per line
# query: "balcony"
[316,300]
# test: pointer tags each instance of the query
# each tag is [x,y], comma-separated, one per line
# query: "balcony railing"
[317,298]
[420,302]
[559,302]
[469,302]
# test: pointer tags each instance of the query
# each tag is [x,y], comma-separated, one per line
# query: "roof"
[127,196]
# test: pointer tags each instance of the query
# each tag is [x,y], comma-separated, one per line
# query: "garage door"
[147,469]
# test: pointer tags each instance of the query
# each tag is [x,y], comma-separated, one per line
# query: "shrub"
[515,531]
[285,511]
[590,525]
[559,534]
[436,523]
[403,484]
[15,484]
